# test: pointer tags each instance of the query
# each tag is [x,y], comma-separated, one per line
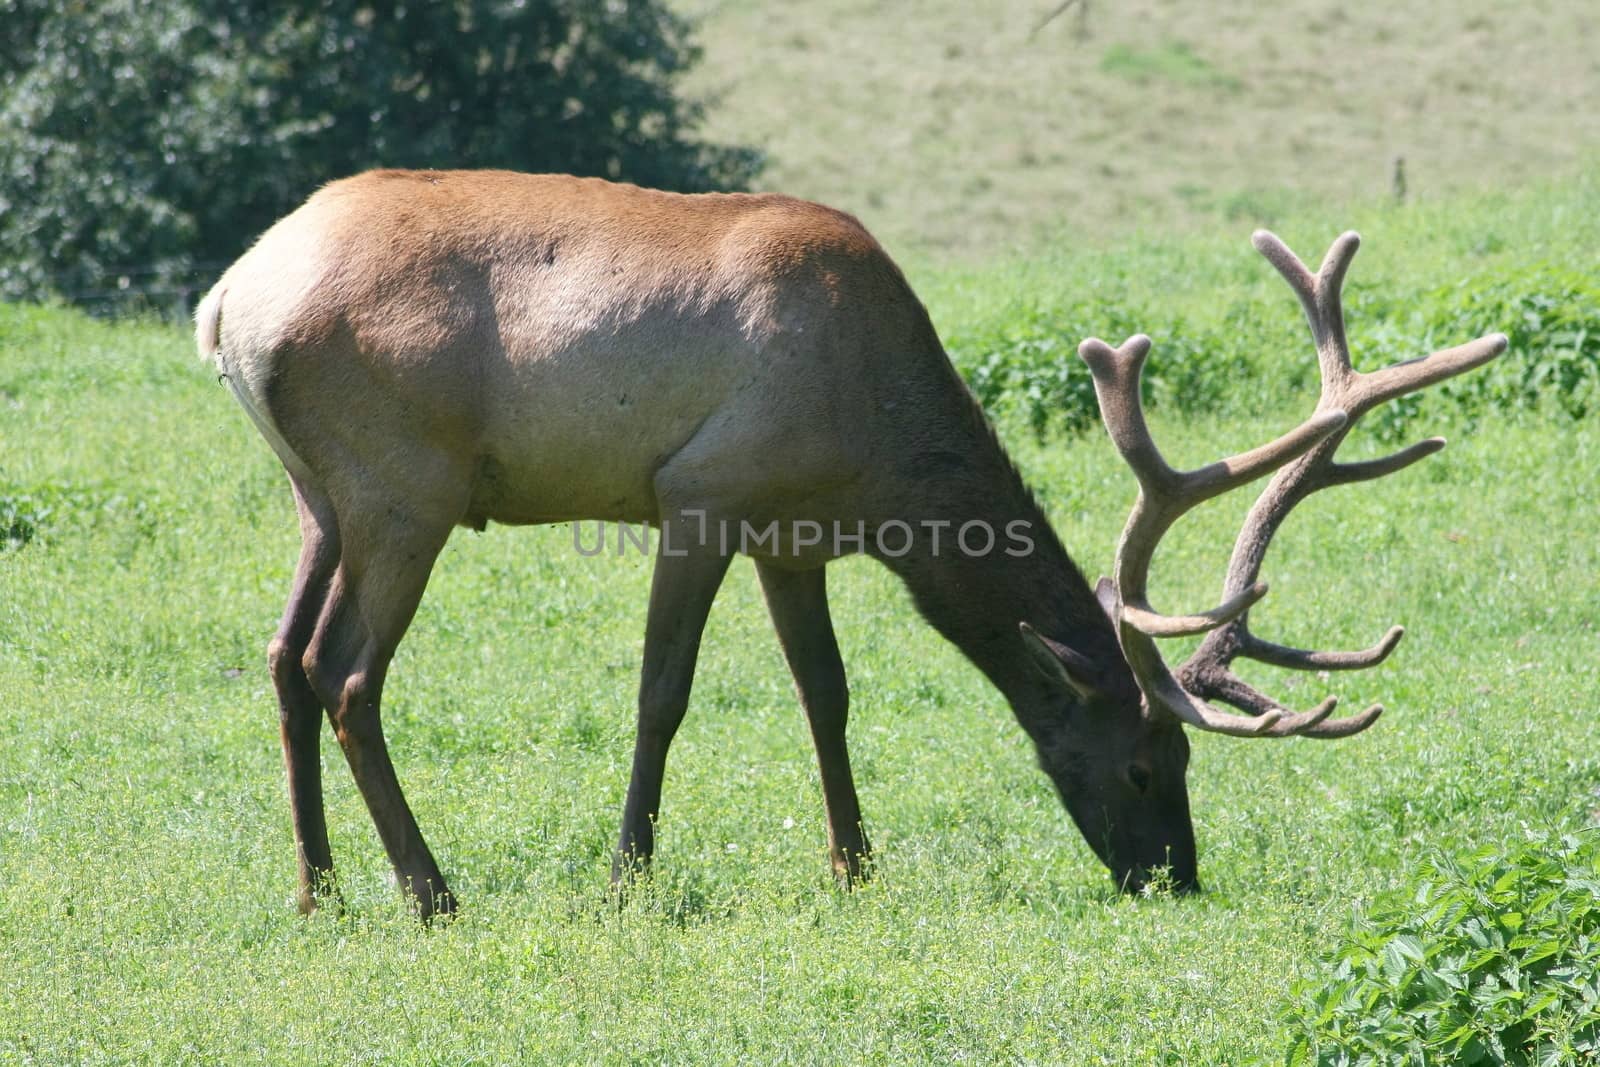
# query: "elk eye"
[1139,777]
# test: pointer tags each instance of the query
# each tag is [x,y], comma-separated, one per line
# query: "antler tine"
[1117,372]
[1222,684]
[1157,625]
[1367,469]
[1378,386]
[1229,688]
[1207,673]
[1334,729]
[1321,294]
[1217,478]
[1164,693]
[1300,659]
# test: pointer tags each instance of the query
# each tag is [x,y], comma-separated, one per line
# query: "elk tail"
[208,326]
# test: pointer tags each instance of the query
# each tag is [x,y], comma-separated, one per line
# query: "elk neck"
[976,599]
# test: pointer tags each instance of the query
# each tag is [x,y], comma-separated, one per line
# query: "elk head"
[1136,815]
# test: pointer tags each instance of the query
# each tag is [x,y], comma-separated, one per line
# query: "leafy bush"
[1491,958]
[1551,315]
[20,519]
[1029,363]
[1233,354]
[142,146]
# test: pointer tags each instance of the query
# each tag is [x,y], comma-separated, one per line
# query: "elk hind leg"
[386,555]
[299,709]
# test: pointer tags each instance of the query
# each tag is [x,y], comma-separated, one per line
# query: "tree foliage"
[145,144]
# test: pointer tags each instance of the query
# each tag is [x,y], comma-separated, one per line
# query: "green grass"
[955,131]
[145,848]
[1174,62]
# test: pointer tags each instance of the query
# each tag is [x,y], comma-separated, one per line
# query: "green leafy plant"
[1213,360]
[1492,957]
[20,519]
[1551,314]
[1029,363]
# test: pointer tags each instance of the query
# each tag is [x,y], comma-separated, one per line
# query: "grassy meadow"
[145,852]
[956,130]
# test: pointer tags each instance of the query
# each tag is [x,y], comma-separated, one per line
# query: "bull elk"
[426,350]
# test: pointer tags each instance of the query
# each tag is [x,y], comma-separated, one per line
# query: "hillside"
[950,127]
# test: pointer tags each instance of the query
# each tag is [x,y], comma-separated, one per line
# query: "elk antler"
[1305,456]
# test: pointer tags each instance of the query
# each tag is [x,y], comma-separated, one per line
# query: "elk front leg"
[681,592]
[798,601]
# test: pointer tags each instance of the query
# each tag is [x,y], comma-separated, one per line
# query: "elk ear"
[1105,591]
[1060,663]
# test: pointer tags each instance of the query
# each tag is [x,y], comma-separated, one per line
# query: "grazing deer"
[425,350]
